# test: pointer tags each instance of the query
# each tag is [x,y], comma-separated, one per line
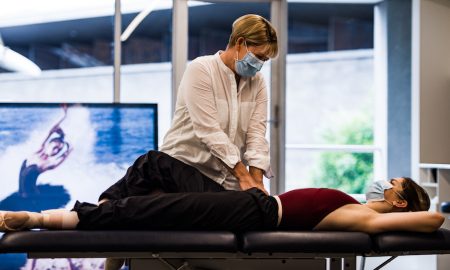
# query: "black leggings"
[159,172]
[229,210]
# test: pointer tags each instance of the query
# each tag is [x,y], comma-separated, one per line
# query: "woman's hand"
[249,182]
[246,179]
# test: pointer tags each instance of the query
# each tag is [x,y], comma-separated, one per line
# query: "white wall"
[431,89]
[434,76]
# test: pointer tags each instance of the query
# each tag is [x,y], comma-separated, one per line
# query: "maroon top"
[304,208]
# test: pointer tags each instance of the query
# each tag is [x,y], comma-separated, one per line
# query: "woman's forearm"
[256,173]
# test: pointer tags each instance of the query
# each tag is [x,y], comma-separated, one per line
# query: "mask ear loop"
[237,52]
[391,203]
[400,195]
[396,192]
[245,43]
[402,198]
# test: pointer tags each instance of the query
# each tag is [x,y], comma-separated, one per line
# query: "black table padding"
[306,242]
[118,241]
[213,241]
[438,241]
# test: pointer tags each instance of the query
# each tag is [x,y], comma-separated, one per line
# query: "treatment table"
[183,250]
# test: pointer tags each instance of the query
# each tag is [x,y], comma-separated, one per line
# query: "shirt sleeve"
[196,90]
[257,147]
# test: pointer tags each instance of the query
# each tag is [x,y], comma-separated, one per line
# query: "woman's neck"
[228,58]
[380,206]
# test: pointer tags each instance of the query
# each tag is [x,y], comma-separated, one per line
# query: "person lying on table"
[396,205]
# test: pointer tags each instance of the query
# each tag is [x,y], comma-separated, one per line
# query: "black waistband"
[268,206]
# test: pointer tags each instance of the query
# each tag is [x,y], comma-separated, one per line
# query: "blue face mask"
[375,192]
[249,65]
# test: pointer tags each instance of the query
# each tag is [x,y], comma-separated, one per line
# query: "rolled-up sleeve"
[257,147]
[197,93]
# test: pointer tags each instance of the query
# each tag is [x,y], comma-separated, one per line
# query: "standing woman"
[219,125]
[220,117]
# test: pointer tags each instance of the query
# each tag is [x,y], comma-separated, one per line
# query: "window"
[330,100]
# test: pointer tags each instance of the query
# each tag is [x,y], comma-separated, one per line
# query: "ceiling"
[157,24]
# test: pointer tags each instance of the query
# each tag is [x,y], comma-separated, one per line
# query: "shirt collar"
[222,65]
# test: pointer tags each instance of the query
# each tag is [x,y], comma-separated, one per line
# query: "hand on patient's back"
[249,183]
[261,187]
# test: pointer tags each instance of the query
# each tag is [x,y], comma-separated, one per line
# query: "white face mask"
[375,192]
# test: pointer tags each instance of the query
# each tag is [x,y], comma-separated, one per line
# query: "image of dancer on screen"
[52,152]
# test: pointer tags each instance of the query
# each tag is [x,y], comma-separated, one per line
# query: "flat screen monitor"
[54,154]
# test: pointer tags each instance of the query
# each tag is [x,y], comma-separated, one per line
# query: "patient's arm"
[422,221]
[355,217]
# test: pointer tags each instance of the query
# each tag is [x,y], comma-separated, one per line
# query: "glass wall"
[329,72]
[146,61]
[329,88]
[330,98]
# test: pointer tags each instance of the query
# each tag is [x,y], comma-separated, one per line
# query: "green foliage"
[348,172]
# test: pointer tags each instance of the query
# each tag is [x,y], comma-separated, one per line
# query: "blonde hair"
[256,31]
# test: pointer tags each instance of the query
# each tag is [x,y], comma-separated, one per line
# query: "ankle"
[60,220]
[36,220]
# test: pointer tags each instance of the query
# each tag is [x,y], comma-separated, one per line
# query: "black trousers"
[229,210]
[161,192]
[159,172]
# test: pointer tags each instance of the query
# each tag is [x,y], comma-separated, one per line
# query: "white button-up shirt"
[216,121]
